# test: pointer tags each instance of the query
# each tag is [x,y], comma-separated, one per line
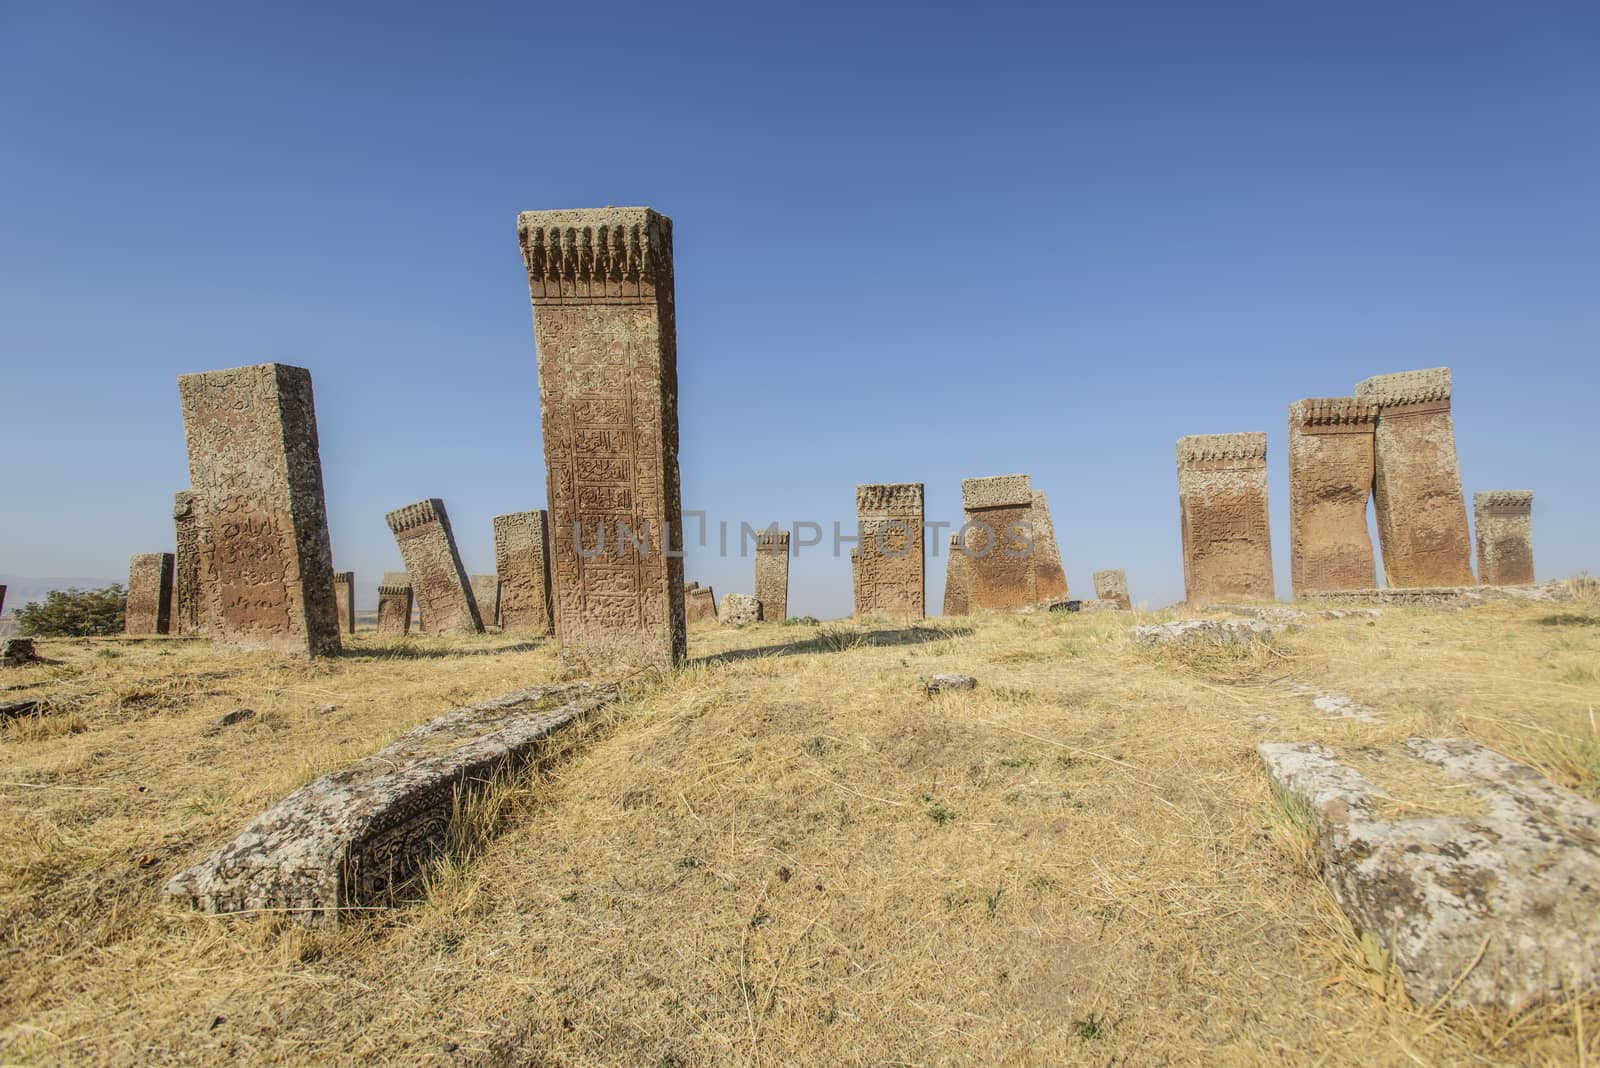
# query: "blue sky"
[912,245]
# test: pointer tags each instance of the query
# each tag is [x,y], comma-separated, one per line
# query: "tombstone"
[1422,512]
[1330,480]
[522,558]
[889,559]
[699,603]
[1002,544]
[772,574]
[601,283]
[394,605]
[344,595]
[1049,577]
[149,609]
[955,578]
[2,598]
[265,566]
[739,609]
[1504,521]
[1222,505]
[486,591]
[1113,586]
[186,563]
[438,581]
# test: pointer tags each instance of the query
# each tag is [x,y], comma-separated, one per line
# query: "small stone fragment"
[739,608]
[945,683]
[1195,633]
[238,715]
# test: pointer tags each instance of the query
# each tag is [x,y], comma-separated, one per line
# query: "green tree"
[74,613]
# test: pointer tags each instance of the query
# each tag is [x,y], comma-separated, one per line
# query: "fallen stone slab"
[1277,613]
[14,651]
[945,683]
[1446,596]
[1351,613]
[738,608]
[18,709]
[353,839]
[1197,633]
[1090,604]
[1498,910]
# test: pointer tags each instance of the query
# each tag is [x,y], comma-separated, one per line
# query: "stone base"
[1444,595]
[354,839]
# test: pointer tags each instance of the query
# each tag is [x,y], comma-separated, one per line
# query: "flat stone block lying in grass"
[1430,596]
[1500,909]
[352,839]
[1202,632]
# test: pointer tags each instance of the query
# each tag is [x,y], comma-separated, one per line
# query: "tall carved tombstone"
[699,603]
[1002,544]
[1222,505]
[1330,481]
[1049,577]
[438,581]
[522,558]
[344,595]
[186,563]
[1504,519]
[1112,585]
[486,592]
[394,605]
[601,284]
[772,574]
[1422,512]
[955,578]
[889,561]
[266,568]
[149,609]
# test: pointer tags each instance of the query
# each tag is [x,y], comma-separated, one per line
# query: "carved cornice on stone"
[1513,502]
[344,576]
[1334,413]
[772,541]
[1248,449]
[393,591]
[889,499]
[415,515]
[996,491]
[596,254]
[1428,386]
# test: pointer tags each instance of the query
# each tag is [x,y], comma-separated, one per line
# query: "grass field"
[783,854]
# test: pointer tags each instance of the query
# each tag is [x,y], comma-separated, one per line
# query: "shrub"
[74,613]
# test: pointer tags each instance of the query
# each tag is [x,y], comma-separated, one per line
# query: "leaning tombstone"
[1049,577]
[394,605]
[428,546]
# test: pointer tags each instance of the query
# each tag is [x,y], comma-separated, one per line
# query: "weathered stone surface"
[1422,513]
[738,609]
[394,607]
[149,609]
[1500,909]
[601,282]
[1112,585]
[772,574]
[1049,577]
[353,839]
[438,581]
[1002,545]
[1330,482]
[947,683]
[186,563]
[889,564]
[14,651]
[1222,504]
[1504,522]
[1446,596]
[2,598]
[486,593]
[699,603]
[1197,633]
[266,568]
[344,596]
[955,579]
[522,558]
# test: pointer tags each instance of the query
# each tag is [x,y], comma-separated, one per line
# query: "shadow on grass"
[412,652]
[1570,619]
[839,641]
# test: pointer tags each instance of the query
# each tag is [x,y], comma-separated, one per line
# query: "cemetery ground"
[786,853]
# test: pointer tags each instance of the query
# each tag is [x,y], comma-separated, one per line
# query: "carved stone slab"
[1049,577]
[486,592]
[601,283]
[955,578]
[522,558]
[1504,521]
[428,546]
[699,603]
[1421,510]
[1113,586]
[1500,909]
[772,574]
[394,609]
[738,609]
[149,594]
[266,568]
[344,595]
[1222,504]
[1330,482]
[353,839]
[1002,544]
[889,564]
[186,563]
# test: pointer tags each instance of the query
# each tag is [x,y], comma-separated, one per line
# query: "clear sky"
[913,244]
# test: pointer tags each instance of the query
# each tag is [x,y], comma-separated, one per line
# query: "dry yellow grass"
[784,854]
